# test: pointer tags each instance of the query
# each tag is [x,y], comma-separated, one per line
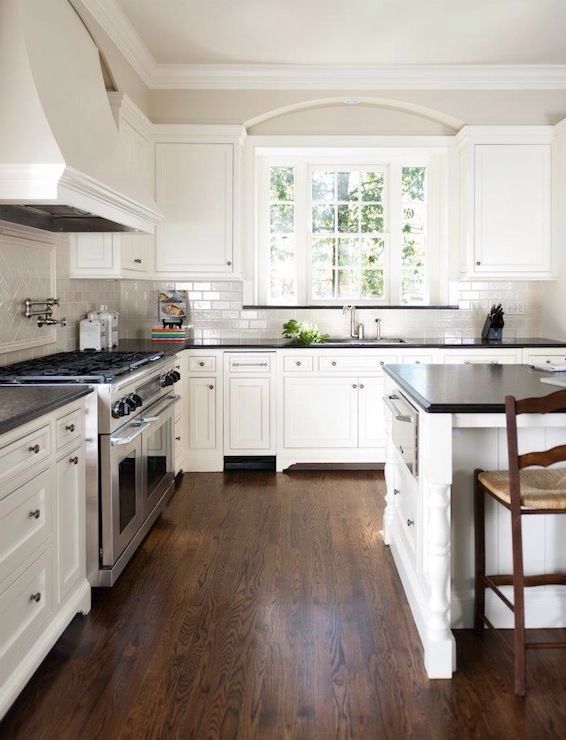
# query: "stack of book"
[176,334]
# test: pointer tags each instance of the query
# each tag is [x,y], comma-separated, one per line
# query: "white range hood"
[62,164]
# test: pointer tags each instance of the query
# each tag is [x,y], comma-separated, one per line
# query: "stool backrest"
[513,407]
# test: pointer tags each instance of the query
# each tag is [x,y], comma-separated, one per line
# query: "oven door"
[122,488]
[158,446]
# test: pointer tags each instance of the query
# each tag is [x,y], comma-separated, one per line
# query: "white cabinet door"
[320,412]
[94,254]
[136,252]
[194,184]
[512,209]
[371,412]
[71,545]
[250,411]
[202,413]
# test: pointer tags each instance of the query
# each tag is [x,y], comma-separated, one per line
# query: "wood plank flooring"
[266,606]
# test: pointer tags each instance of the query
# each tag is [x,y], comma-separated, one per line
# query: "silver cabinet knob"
[178,439]
[35,449]
[211,387]
[35,597]
[298,363]
[396,491]
[362,385]
[35,514]
[354,385]
[138,260]
[201,363]
[333,363]
[410,522]
[74,460]
[228,263]
[478,263]
[70,427]
[381,362]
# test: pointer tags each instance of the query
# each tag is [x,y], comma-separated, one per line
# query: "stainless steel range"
[130,444]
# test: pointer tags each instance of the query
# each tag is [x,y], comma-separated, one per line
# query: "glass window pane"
[372,252]
[413,183]
[372,185]
[282,183]
[282,218]
[322,253]
[347,285]
[414,219]
[282,251]
[282,288]
[413,269]
[322,218]
[348,218]
[372,283]
[348,252]
[348,185]
[323,284]
[323,186]
[372,218]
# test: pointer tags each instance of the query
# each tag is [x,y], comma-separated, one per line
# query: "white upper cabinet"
[194,188]
[506,202]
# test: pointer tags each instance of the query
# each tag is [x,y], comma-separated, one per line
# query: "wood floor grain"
[266,606]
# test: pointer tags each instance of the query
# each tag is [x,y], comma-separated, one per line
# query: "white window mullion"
[302,225]
[393,239]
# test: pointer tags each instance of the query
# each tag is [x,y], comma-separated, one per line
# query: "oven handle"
[117,441]
[388,400]
[171,401]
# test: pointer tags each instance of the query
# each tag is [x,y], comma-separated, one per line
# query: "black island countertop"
[135,345]
[472,389]
[20,404]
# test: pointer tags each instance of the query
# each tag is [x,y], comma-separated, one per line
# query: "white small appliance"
[92,334]
[110,320]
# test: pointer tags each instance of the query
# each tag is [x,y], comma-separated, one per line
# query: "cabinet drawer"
[250,362]
[25,522]
[354,364]
[202,364]
[68,428]
[545,358]
[18,456]
[24,608]
[298,364]
[417,359]
[407,500]
[490,358]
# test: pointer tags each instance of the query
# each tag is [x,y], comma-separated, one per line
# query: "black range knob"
[167,379]
[137,399]
[176,375]
[124,407]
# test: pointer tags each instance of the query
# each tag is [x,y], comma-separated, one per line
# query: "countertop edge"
[18,420]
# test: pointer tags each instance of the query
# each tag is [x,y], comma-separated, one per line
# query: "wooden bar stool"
[523,492]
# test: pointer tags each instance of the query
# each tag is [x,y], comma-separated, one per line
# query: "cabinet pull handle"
[396,491]
[211,387]
[250,364]
[74,460]
[354,385]
[35,514]
[467,362]
[35,597]
[362,385]
[35,449]
[410,522]
[201,363]
[70,427]
[177,367]
[178,439]
[138,260]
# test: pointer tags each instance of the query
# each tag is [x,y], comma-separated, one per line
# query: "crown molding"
[324,77]
[505,135]
[169,133]
[114,22]
[124,109]
[110,16]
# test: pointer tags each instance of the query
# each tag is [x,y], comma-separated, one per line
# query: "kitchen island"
[443,421]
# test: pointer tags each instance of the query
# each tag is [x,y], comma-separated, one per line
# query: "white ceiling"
[338,32]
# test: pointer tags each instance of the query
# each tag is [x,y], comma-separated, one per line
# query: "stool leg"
[479,537]
[519,602]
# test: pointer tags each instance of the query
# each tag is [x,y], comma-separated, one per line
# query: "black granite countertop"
[22,403]
[475,388]
[134,345]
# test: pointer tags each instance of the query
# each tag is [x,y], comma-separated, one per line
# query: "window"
[332,231]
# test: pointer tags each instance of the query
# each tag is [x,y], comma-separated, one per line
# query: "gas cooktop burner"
[78,367]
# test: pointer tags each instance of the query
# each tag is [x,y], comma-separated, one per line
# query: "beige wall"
[469,106]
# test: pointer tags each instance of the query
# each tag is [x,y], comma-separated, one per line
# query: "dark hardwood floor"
[264,606]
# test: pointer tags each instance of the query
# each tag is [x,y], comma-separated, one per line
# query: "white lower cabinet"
[249,414]
[202,417]
[203,449]
[320,412]
[71,520]
[43,580]
[371,419]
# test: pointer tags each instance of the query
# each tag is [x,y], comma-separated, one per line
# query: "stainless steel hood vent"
[59,218]
[63,164]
